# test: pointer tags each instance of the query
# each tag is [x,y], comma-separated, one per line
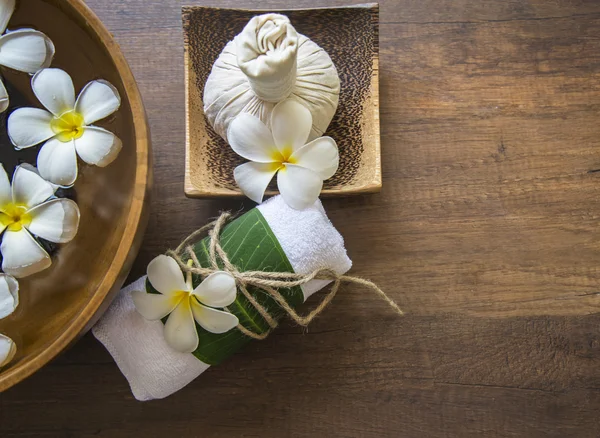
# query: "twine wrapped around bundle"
[269,282]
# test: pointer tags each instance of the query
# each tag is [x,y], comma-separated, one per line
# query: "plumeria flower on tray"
[26,50]
[28,208]
[66,125]
[9,300]
[301,167]
[184,304]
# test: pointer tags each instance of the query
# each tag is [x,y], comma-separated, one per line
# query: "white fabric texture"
[152,368]
[266,63]
[267,50]
[324,247]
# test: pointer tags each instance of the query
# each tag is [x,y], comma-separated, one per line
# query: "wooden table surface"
[485,232]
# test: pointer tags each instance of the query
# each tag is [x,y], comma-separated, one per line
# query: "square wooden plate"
[350,35]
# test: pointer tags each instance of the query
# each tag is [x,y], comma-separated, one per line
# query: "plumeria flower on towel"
[184,304]
[25,50]
[9,300]
[301,167]
[27,209]
[66,125]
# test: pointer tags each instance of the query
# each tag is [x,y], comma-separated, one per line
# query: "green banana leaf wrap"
[250,245]
[272,247]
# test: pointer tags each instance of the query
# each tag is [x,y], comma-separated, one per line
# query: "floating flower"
[301,168]
[8,349]
[9,300]
[26,210]
[184,304]
[9,295]
[25,50]
[66,125]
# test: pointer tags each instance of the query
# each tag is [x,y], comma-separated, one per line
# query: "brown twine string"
[268,282]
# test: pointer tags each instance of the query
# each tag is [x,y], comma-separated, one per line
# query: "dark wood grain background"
[485,232]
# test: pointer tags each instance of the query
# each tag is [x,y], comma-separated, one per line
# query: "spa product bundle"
[271,95]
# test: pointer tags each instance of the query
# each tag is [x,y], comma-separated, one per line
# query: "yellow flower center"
[182,298]
[282,157]
[68,126]
[14,216]
[179,296]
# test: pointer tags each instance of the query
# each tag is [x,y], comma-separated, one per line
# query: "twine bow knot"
[269,282]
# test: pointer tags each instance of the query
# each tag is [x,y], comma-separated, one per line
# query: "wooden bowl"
[61,303]
[350,35]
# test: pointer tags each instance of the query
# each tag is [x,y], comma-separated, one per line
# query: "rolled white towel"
[153,369]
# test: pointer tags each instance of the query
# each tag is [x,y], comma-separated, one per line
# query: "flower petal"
[213,320]
[97,100]
[54,89]
[29,126]
[217,290]
[9,295]
[180,329]
[4,100]
[299,187]
[291,123]
[7,7]
[320,155]
[8,349]
[97,146]
[57,162]
[5,193]
[250,138]
[26,50]
[56,220]
[28,188]
[22,255]
[165,275]
[153,306]
[253,178]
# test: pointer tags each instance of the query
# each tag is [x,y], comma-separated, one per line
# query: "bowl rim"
[135,223]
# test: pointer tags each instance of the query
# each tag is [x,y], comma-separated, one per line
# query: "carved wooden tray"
[350,35]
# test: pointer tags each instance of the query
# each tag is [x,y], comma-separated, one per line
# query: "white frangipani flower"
[9,295]
[66,125]
[301,168]
[26,210]
[25,50]
[184,304]
[8,349]
[9,300]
